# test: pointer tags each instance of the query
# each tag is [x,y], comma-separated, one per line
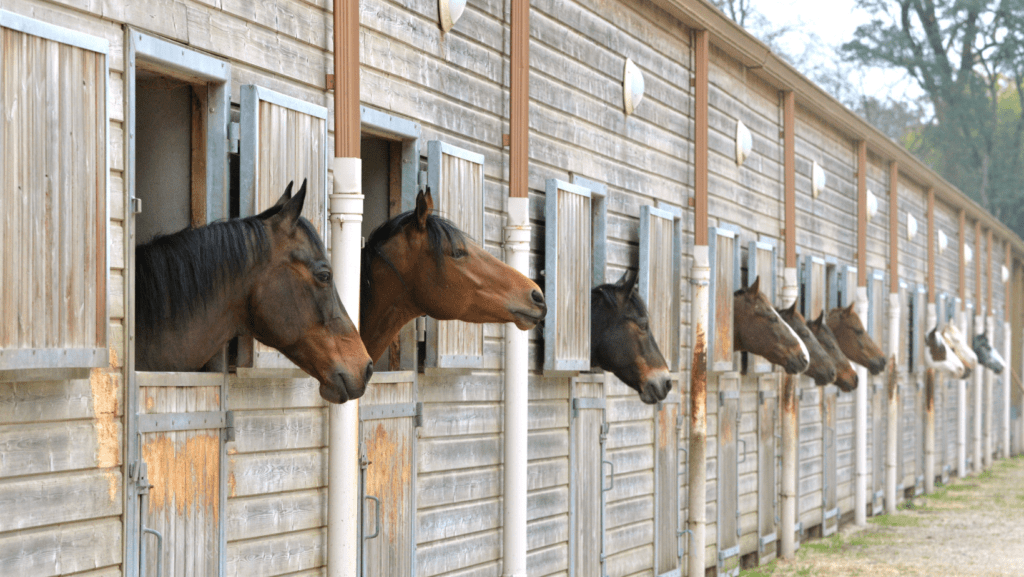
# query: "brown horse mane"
[443,236]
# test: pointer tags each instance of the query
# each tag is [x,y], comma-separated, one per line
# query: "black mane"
[175,274]
[442,235]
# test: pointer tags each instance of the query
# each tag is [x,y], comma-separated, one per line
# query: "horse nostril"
[538,297]
[369,372]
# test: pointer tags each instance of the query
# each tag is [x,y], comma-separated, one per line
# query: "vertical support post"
[892,414]
[931,320]
[961,387]
[346,215]
[979,374]
[860,425]
[701,277]
[787,400]
[1008,309]
[990,325]
[517,254]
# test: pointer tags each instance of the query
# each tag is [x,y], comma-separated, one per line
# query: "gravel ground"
[972,526]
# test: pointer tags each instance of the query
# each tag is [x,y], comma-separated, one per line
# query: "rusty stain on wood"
[393,473]
[183,474]
[103,385]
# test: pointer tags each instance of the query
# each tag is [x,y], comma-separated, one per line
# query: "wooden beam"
[700,137]
[963,264]
[346,78]
[979,296]
[519,101]
[931,245]
[988,267]
[894,227]
[789,179]
[862,213]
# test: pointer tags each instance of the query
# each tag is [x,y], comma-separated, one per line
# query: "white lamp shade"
[632,87]
[943,242]
[744,142]
[817,179]
[872,205]
[1006,273]
[911,226]
[968,253]
[449,12]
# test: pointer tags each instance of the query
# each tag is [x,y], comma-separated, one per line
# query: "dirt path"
[973,526]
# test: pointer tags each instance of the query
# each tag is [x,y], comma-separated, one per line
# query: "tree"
[967,56]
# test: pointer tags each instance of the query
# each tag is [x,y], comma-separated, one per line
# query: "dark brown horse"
[821,368]
[759,329]
[846,377]
[267,276]
[418,263]
[854,340]
[621,339]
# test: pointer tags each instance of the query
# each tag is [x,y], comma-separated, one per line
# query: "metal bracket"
[726,395]
[229,426]
[387,411]
[583,403]
[167,422]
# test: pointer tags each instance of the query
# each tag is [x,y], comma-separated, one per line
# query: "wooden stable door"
[588,483]
[669,471]
[181,426]
[767,467]
[388,417]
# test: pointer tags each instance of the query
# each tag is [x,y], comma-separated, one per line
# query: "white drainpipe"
[961,408]
[696,469]
[860,426]
[893,413]
[979,384]
[990,424]
[787,414]
[517,374]
[1007,383]
[346,213]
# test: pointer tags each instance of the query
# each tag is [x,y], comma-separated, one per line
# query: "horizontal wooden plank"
[274,513]
[263,473]
[50,447]
[273,393]
[277,554]
[457,520]
[280,429]
[59,498]
[454,554]
[61,549]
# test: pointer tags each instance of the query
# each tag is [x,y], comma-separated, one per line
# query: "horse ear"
[287,195]
[849,310]
[792,309]
[424,206]
[627,282]
[756,287]
[817,322]
[291,206]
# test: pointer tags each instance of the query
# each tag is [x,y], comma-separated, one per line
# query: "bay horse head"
[419,263]
[621,339]
[957,344]
[821,367]
[267,276]
[987,355]
[759,329]
[854,340]
[846,377]
[940,357]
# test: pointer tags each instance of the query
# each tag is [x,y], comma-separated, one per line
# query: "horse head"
[846,377]
[987,355]
[940,357]
[621,339]
[758,329]
[821,367]
[854,340]
[418,263]
[294,306]
[955,341]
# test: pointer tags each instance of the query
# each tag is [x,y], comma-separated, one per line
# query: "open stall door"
[591,477]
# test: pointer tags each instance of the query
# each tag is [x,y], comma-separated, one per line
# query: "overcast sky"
[834,21]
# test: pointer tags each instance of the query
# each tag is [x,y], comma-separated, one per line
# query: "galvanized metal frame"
[769,286]
[675,259]
[41,362]
[598,226]
[714,234]
[436,150]
[551,271]
[250,96]
[216,73]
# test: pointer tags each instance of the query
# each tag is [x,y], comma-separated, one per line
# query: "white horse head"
[955,340]
[940,357]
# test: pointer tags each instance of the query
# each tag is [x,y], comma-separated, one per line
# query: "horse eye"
[324,276]
[459,253]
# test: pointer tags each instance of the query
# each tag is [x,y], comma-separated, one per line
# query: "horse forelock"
[176,274]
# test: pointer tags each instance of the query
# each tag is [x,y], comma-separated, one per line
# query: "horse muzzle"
[529,317]
[796,364]
[876,365]
[344,386]
[656,387]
